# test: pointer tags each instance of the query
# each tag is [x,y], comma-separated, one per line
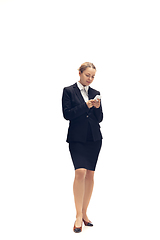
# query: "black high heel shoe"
[77,229]
[88,224]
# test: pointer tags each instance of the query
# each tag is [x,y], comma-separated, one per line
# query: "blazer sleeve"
[70,112]
[98,113]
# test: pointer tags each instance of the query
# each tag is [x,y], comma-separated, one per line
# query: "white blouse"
[84,91]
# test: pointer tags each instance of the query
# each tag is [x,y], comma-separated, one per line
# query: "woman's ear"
[79,73]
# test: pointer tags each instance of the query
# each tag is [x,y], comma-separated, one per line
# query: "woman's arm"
[70,112]
[98,113]
[98,110]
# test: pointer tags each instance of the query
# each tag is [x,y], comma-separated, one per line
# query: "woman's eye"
[89,76]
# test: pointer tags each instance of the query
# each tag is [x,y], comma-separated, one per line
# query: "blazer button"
[87,115]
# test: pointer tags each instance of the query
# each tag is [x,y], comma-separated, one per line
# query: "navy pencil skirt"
[85,155]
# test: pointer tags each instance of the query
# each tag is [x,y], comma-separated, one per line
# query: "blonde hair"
[85,65]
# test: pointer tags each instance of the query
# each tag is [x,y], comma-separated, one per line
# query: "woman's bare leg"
[79,189]
[89,183]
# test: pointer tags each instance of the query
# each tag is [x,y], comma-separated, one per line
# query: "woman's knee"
[90,175]
[80,173]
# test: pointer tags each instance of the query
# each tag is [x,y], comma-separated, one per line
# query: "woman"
[84,137]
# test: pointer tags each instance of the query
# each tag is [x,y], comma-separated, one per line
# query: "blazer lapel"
[91,94]
[78,93]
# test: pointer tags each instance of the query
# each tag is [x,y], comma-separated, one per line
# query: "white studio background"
[42,43]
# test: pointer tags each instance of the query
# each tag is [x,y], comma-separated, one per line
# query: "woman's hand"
[90,103]
[93,103]
[96,103]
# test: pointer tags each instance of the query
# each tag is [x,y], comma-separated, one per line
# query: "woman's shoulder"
[71,86]
[94,90]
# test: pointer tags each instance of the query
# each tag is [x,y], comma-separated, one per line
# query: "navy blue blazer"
[77,112]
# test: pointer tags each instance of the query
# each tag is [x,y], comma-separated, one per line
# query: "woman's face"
[87,77]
